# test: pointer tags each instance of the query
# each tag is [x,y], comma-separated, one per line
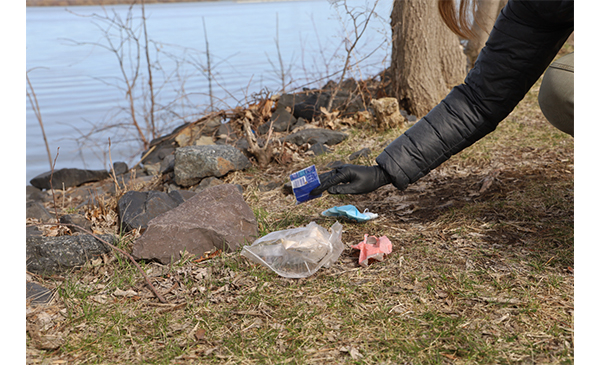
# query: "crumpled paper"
[350,212]
[373,248]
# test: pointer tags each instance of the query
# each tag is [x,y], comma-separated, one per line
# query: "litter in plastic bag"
[350,212]
[303,182]
[373,248]
[297,252]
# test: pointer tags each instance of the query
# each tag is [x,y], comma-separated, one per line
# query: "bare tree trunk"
[427,58]
[486,14]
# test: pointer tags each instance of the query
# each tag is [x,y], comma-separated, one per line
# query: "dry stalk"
[112,170]
[150,83]
[36,109]
[52,186]
[208,67]
[264,154]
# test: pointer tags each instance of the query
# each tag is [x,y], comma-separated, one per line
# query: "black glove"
[353,179]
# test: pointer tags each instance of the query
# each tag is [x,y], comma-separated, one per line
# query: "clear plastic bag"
[297,252]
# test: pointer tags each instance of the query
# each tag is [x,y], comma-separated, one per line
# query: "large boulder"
[53,255]
[136,208]
[193,163]
[215,218]
[67,178]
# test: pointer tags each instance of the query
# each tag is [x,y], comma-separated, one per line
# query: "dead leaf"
[352,351]
[199,335]
[208,256]
[125,293]
[450,356]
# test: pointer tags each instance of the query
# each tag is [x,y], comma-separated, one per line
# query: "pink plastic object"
[373,248]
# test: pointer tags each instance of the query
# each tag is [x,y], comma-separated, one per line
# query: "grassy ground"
[481,272]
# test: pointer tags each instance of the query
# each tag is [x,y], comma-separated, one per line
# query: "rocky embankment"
[176,199]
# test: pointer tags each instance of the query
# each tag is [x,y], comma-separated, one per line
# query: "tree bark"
[427,58]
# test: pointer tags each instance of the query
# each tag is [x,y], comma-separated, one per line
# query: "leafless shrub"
[359,23]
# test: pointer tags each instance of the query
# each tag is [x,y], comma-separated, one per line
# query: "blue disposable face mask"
[350,212]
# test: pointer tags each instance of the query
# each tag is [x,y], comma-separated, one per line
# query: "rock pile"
[216,218]
[177,198]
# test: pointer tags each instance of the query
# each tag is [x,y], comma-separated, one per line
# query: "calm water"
[79,85]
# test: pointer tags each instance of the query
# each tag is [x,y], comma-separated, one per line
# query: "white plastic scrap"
[297,252]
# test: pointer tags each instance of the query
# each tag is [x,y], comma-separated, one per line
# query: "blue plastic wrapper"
[303,182]
[350,212]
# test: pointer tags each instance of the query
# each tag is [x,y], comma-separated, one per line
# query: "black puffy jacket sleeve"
[526,37]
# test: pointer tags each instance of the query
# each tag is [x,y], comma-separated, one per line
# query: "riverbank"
[482,265]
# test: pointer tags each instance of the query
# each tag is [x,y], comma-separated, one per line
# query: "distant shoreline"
[101,2]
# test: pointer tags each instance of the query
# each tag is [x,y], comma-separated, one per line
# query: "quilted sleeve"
[526,37]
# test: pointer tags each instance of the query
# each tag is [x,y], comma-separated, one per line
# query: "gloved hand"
[352,179]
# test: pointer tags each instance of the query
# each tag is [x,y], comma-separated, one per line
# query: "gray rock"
[68,177]
[226,132]
[316,135]
[310,107]
[36,210]
[319,149]
[167,164]
[216,218]
[289,100]
[409,117]
[299,123]
[162,149]
[207,183]
[281,120]
[53,255]
[72,220]
[120,168]
[31,231]
[33,193]
[37,294]
[193,163]
[136,209]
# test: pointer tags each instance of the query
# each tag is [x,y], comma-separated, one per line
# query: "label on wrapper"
[303,182]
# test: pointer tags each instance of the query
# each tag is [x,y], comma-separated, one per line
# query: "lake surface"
[80,87]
